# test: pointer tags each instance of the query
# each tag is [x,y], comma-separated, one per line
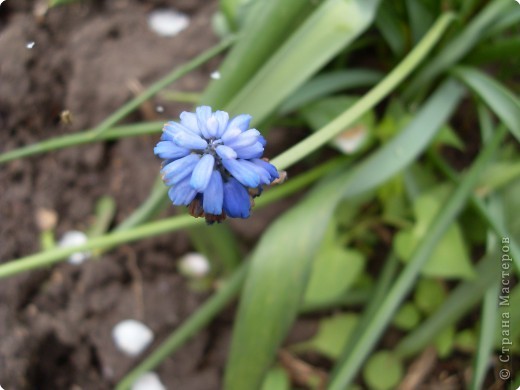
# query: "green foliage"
[312,61]
[383,371]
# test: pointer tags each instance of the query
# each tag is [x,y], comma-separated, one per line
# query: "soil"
[55,324]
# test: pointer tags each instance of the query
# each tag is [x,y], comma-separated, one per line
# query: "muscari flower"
[213,164]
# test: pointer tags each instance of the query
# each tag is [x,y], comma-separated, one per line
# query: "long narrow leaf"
[279,272]
[459,46]
[502,102]
[256,44]
[326,31]
[346,370]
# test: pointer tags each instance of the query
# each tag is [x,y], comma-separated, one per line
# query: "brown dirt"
[55,324]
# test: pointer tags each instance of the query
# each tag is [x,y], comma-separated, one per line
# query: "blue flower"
[213,164]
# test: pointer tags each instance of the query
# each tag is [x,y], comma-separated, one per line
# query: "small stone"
[167,22]
[194,265]
[29,45]
[132,337]
[148,381]
[75,238]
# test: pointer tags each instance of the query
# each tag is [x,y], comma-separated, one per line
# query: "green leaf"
[450,258]
[390,24]
[276,379]
[279,272]
[353,358]
[383,371]
[466,341]
[329,29]
[420,18]
[429,295]
[407,317]
[461,45]
[242,62]
[332,336]
[499,99]
[327,83]
[352,139]
[444,342]
[334,271]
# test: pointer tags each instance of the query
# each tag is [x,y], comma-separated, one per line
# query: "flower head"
[213,164]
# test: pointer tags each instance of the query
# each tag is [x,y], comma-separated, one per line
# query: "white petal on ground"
[148,381]
[74,238]
[29,45]
[215,75]
[132,337]
[1,1]
[194,265]
[167,22]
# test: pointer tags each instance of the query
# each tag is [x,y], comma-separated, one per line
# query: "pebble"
[132,337]
[74,238]
[167,22]
[194,265]
[148,381]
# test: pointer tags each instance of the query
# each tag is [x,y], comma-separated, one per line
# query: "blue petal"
[268,167]
[182,193]
[177,170]
[247,138]
[173,128]
[189,140]
[230,134]
[212,127]
[242,172]
[237,203]
[240,121]
[253,151]
[203,114]
[263,174]
[223,119]
[214,195]
[262,140]
[169,150]
[189,120]
[202,173]
[226,152]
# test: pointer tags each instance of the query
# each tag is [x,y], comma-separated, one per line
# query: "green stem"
[52,256]
[346,369]
[127,231]
[368,101]
[190,327]
[104,131]
[161,84]
[84,137]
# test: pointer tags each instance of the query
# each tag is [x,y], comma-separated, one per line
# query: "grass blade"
[459,46]
[279,272]
[242,62]
[328,83]
[330,28]
[500,100]
[346,369]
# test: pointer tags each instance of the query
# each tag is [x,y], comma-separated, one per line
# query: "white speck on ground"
[132,337]
[74,238]
[194,265]
[148,381]
[29,45]
[167,22]
[215,75]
